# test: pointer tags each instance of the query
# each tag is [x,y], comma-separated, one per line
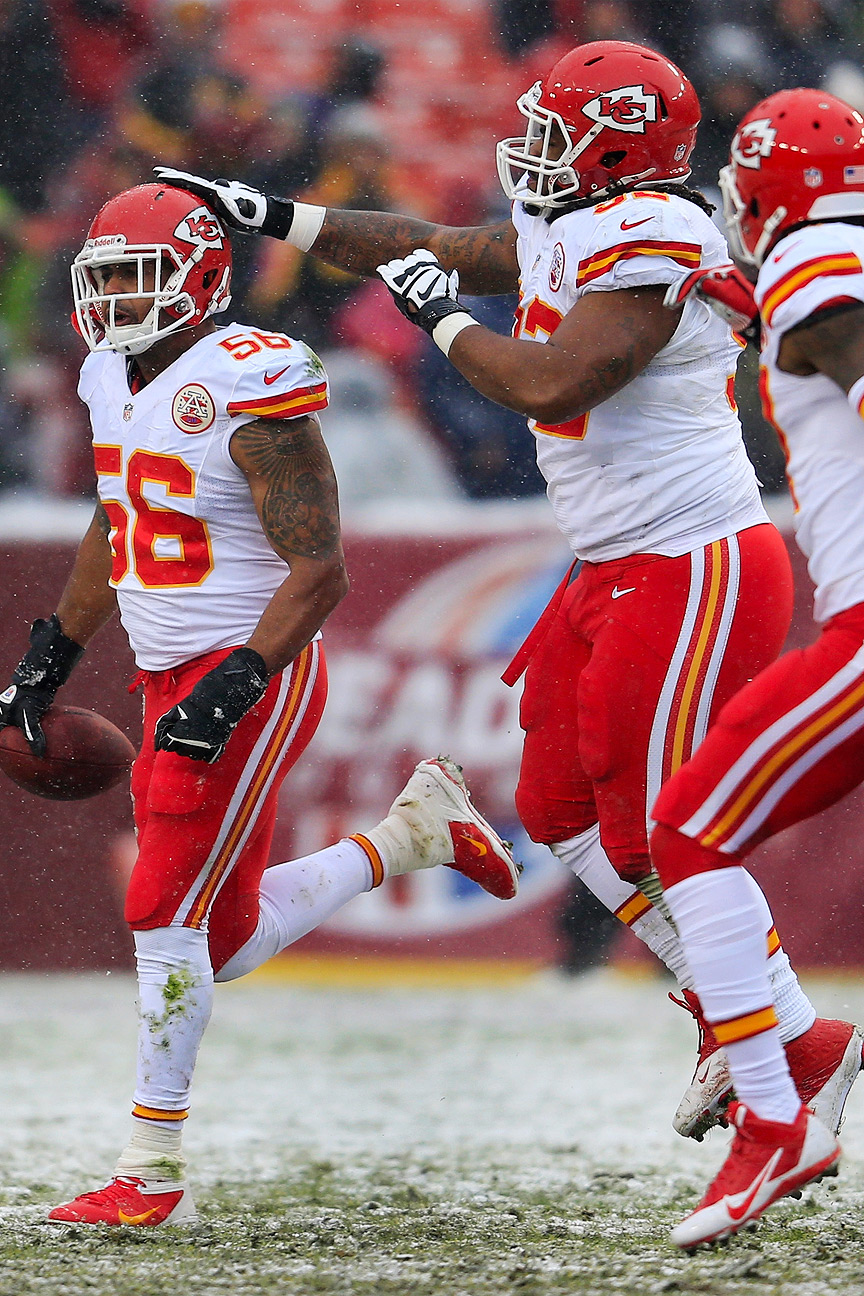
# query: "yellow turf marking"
[345,971]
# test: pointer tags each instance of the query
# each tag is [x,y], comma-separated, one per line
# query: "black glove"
[239,205]
[422,289]
[200,725]
[46,665]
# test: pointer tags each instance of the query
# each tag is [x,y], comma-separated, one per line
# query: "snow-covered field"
[387,1141]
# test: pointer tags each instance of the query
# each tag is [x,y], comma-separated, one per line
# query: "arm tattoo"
[300,508]
[485,255]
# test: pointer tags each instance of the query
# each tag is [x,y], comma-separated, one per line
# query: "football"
[85,754]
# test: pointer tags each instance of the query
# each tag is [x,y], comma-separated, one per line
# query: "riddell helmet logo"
[200,227]
[754,142]
[629,108]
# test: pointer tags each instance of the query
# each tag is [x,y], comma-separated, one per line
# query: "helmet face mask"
[606,117]
[797,157]
[184,273]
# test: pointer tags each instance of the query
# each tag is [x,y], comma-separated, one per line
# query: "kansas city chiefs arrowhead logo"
[200,227]
[753,143]
[628,108]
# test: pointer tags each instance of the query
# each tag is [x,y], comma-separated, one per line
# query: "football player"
[792,741]
[217,536]
[684,590]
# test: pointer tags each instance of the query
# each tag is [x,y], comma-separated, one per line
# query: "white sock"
[795,1012]
[761,1075]
[153,1151]
[175,999]
[722,926]
[297,897]
[585,857]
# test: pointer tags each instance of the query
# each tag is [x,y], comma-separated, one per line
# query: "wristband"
[306,225]
[855,397]
[448,329]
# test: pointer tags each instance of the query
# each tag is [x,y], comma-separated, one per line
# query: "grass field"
[386,1141]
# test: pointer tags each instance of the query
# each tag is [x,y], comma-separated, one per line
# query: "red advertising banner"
[415,655]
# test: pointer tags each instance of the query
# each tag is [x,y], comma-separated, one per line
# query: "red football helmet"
[608,116]
[182,258]
[797,156]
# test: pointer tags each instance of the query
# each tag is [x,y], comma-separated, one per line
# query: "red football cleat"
[132,1201]
[767,1161]
[443,827]
[823,1062]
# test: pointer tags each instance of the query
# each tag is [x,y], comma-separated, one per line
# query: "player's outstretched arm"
[57,643]
[600,345]
[358,241]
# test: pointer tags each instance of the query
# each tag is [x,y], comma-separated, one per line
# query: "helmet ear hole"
[209,278]
[664,111]
[613,158]
[753,207]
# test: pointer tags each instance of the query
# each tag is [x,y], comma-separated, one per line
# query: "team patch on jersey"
[303,400]
[683,254]
[840,263]
[193,409]
[556,269]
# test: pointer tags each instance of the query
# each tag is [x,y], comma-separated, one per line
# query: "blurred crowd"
[392,104]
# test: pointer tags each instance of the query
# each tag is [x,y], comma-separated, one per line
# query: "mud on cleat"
[710,1091]
[767,1160]
[141,1203]
[432,822]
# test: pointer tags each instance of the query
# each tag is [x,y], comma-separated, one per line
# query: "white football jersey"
[191,566]
[822,436]
[660,467]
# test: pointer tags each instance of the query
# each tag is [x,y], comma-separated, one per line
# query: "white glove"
[422,289]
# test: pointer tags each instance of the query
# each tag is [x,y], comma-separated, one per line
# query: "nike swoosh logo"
[136,1219]
[633,224]
[269,379]
[616,593]
[479,847]
[778,256]
[739,1211]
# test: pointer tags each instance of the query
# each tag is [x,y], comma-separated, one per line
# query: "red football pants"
[787,746]
[204,831]
[635,664]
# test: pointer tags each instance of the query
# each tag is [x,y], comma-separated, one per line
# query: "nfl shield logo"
[127,413]
[813,177]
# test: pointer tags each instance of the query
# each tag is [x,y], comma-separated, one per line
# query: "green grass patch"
[402,1226]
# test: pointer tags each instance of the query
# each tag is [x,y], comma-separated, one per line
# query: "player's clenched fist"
[725,289]
[200,725]
[422,289]
[45,666]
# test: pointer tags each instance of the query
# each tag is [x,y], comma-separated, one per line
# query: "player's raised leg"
[432,822]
